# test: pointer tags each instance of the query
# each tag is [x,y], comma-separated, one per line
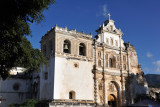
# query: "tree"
[16,16]
[30,58]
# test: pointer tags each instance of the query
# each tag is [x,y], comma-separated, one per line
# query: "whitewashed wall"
[12,96]
[46,86]
[68,78]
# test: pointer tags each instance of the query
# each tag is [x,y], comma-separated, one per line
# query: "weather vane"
[109,15]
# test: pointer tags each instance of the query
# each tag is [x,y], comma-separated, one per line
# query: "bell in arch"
[65,46]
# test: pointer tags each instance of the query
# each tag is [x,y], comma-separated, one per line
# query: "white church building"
[86,68]
[87,71]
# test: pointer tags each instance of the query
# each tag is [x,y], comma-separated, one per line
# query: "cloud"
[158,69]
[157,63]
[146,69]
[149,55]
[157,66]
[105,12]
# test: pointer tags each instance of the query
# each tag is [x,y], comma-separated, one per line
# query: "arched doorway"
[113,94]
[112,100]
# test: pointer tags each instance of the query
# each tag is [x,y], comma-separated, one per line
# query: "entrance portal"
[113,94]
[112,100]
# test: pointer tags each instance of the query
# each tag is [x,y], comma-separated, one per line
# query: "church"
[82,71]
[90,70]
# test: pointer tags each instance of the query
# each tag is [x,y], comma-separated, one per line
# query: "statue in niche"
[112,87]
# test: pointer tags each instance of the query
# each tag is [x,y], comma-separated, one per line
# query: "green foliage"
[153,80]
[27,103]
[15,25]
[31,58]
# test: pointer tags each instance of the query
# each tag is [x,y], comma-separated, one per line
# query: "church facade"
[87,70]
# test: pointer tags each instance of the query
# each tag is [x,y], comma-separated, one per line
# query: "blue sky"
[139,20]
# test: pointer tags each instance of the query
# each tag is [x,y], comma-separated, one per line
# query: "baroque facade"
[100,70]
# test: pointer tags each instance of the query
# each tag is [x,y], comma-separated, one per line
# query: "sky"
[139,21]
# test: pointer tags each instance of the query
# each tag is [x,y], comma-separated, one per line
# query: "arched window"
[124,58]
[99,54]
[110,62]
[124,66]
[114,62]
[67,46]
[99,63]
[116,43]
[111,41]
[71,95]
[82,49]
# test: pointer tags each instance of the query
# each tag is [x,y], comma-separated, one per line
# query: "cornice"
[74,35]
[110,47]
[73,32]
[112,73]
[73,57]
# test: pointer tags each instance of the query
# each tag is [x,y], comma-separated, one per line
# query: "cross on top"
[109,15]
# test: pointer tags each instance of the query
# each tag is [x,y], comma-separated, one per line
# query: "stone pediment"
[109,26]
